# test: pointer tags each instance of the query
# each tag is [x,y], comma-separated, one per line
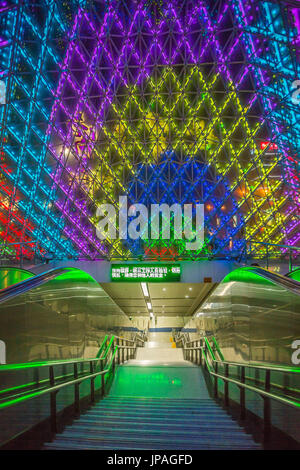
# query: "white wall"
[144,322]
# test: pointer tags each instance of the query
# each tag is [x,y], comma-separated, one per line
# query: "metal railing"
[206,353]
[249,252]
[126,348]
[180,338]
[31,252]
[113,350]
[19,253]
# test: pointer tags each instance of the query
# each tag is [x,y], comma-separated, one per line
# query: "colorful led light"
[97,100]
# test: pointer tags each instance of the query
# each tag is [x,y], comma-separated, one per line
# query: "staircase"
[154,423]
[157,401]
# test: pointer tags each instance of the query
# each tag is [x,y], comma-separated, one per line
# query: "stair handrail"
[145,334]
[102,346]
[139,337]
[206,340]
[250,387]
[206,351]
[109,354]
[180,338]
[51,364]
[135,342]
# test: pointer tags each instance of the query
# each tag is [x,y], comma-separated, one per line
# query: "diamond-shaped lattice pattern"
[170,101]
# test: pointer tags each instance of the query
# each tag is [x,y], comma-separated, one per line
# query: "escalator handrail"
[36,281]
[288,283]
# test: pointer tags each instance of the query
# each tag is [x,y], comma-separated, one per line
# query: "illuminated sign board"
[146,272]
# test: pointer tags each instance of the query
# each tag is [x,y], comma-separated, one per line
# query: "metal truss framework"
[162,101]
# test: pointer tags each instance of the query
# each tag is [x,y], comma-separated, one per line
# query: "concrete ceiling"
[167,299]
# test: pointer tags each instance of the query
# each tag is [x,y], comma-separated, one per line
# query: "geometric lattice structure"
[174,180]
[171,100]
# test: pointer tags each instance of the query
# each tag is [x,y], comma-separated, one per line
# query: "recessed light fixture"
[145,289]
[164,289]
[190,288]
[149,305]
[186,296]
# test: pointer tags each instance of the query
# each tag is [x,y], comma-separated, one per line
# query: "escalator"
[10,276]
[294,275]
[155,396]
[60,314]
[254,315]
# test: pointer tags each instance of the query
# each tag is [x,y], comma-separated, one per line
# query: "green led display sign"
[146,272]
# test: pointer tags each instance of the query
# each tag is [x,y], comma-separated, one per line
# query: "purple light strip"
[68,138]
[64,70]
[211,28]
[57,182]
[105,100]
[296,13]
[156,34]
[81,101]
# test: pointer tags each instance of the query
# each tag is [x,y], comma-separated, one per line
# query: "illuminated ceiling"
[162,101]
[166,299]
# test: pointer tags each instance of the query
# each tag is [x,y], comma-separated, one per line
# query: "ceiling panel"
[167,299]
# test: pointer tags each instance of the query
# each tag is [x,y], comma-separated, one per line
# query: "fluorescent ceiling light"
[145,289]
[149,305]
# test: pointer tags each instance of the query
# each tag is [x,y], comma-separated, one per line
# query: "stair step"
[117,417]
[152,443]
[136,411]
[160,400]
[167,408]
[97,430]
[133,418]
[155,438]
[167,403]
[153,423]
[156,406]
[157,423]
[178,416]
[132,446]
